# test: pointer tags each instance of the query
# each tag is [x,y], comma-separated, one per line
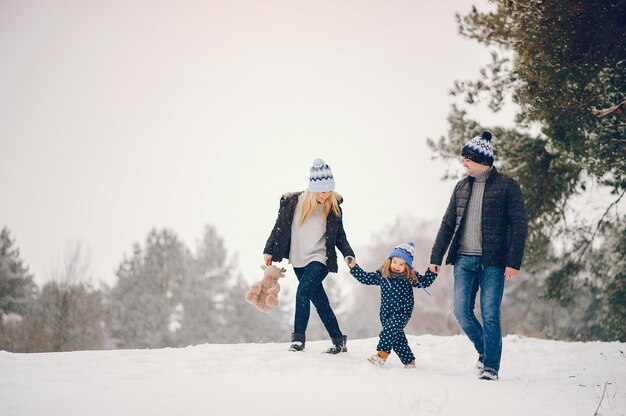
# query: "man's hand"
[350,261]
[435,268]
[510,273]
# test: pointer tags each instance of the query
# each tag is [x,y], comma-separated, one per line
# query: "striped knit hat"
[479,149]
[405,251]
[321,178]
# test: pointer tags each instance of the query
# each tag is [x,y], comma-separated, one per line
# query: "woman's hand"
[267,259]
[351,261]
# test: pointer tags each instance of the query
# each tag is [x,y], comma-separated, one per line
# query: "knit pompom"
[486,135]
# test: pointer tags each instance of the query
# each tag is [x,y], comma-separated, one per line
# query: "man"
[485,229]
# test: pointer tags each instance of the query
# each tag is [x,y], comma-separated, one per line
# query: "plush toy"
[264,293]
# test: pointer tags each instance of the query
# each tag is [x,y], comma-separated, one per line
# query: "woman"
[308,227]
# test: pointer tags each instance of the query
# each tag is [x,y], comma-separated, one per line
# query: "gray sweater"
[308,241]
[471,243]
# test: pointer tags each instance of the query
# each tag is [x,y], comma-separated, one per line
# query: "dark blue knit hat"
[479,149]
[405,251]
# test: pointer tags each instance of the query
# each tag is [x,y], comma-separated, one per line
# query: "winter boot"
[488,374]
[297,342]
[410,365]
[339,345]
[379,358]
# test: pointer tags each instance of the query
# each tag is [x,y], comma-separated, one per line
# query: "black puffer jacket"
[504,223]
[279,242]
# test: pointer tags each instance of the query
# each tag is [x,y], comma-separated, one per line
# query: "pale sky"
[120,116]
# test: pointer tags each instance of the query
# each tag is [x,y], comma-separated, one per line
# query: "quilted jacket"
[504,223]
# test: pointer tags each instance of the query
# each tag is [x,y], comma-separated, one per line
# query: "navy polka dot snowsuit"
[396,307]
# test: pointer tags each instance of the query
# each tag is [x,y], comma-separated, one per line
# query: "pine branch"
[599,225]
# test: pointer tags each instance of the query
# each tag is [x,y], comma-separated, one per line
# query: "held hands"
[267,259]
[435,268]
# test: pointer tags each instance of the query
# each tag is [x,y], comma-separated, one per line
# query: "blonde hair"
[385,269]
[309,203]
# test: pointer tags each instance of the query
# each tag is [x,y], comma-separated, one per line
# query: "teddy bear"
[264,293]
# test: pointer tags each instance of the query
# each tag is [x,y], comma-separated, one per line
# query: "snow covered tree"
[216,310]
[563,64]
[168,296]
[17,288]
[143,308]
[607,263]
[17,293]
[205,295]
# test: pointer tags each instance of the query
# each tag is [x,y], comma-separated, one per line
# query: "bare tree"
[67,314]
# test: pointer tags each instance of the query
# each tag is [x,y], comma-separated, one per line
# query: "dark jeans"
[469,276]
[309,290]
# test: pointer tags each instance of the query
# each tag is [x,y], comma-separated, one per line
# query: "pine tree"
[167,296]
[17,288]
[221,314]
[144,307]
[17,294]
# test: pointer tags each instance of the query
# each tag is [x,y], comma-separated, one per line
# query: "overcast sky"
[120,116]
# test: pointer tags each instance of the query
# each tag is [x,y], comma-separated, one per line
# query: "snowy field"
[538,377]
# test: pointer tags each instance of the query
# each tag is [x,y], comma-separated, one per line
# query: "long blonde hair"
[309,203]
[385,268]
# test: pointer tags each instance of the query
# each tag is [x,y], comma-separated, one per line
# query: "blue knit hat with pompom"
[405,251]
[479,149]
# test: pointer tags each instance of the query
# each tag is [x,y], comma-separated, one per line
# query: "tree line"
[165,296]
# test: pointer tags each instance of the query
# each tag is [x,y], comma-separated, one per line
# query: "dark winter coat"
[396,292]
[504,223]
[279,242]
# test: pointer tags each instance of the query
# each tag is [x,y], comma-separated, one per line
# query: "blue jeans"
[469,276]
[309,290]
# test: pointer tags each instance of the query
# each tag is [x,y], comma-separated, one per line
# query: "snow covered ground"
[538,377]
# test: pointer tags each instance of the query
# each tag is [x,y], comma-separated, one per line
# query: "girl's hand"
[351,261]
[267,259]
[435,268]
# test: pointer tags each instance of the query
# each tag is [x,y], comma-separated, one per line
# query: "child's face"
[398,265]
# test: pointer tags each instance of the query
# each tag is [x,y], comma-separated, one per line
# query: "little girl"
[396,280]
